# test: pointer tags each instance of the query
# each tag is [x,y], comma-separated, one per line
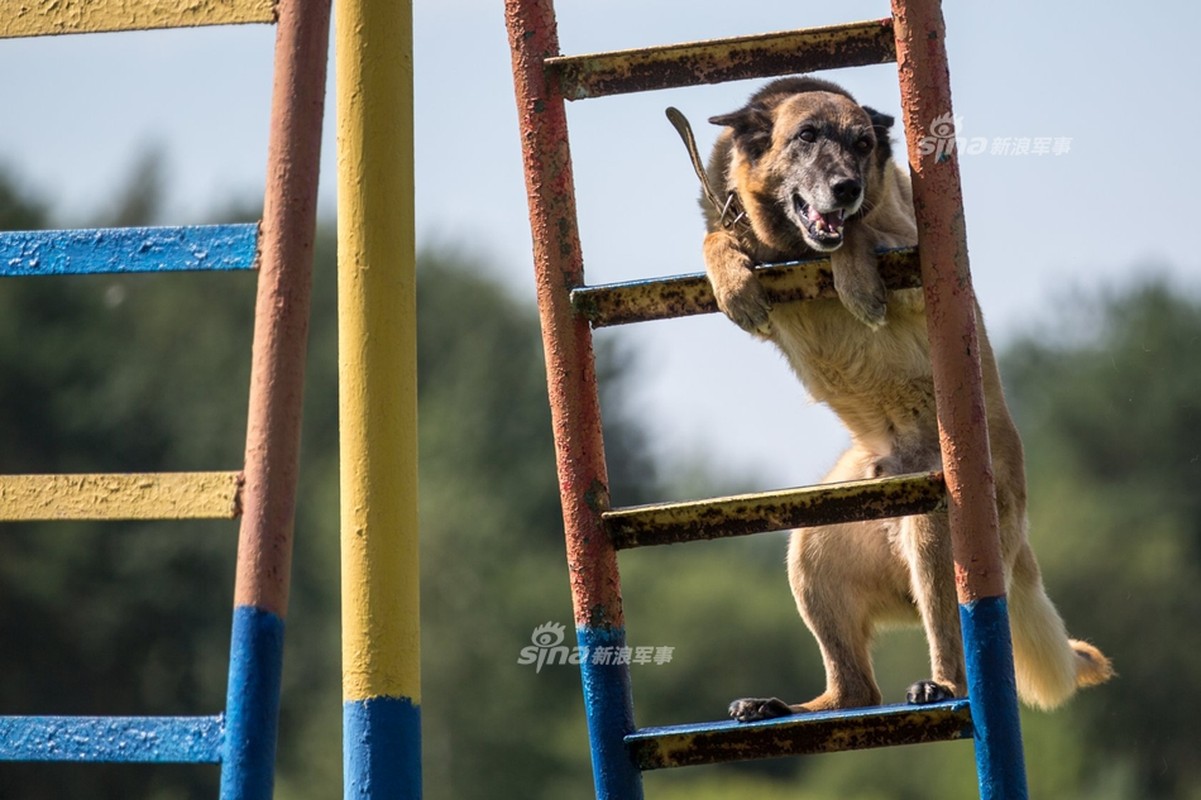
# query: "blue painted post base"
[988,651]
[381,746]
[609,704]
[252,705]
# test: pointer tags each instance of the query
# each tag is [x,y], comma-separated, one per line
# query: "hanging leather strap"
[730,212]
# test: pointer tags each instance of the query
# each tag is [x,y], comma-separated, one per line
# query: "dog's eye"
[808,135]
[864,145]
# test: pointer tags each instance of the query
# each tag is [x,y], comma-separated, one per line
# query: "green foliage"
[150,373]
[105,374]
[1110,409]
[146,373]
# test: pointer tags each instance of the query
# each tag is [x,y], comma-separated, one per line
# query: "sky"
[1115,93]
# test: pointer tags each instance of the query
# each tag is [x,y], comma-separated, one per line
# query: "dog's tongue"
[831,221]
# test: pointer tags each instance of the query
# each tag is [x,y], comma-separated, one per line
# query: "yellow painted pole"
[377,329]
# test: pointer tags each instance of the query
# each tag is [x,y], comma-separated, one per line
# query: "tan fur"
[866,355]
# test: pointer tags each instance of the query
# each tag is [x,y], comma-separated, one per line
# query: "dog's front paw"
[859,285]
[738,292]
[742,298]
[924,692]
[752,709]
[869,308]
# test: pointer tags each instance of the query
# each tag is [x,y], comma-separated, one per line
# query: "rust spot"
[597,497]
[238,487]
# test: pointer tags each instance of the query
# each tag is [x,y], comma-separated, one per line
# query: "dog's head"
[812,151]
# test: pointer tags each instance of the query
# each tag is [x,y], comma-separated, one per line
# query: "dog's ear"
[882,125]
[752,128]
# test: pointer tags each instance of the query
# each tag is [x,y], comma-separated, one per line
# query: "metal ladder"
[242,739]
[913,37]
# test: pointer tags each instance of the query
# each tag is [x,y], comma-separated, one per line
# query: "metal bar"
[764,55]
[120,496]
[959,395]
[281,325]
[117,250]
[158,740]
[54,17]
[741,515]
[800,734]
[571,382]
[689,295]
[377,356]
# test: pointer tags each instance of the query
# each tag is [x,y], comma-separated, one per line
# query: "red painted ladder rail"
[544,79]
[242,738]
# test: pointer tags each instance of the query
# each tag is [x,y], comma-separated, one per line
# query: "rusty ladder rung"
[741,515]
[688,295]
[801,734]
[764,55]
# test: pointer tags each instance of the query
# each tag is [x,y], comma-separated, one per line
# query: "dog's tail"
[1049,666]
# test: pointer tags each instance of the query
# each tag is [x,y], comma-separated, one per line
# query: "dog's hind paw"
[753,709]
[924,692]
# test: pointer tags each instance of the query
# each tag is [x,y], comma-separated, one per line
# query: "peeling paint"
[741,515]
[567,338]
[800,734]
[688,295]
[718,60]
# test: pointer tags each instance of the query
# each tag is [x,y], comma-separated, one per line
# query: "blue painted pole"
[608,703]
[381,743]
[988,650]
[252,705]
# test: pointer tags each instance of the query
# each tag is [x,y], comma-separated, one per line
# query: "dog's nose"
[847,191]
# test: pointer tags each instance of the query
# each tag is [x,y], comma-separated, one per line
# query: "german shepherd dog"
[811,172]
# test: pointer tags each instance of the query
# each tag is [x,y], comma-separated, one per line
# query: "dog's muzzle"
[824,229]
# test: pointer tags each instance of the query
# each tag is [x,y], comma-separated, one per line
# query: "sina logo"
[548,647]
[942,139]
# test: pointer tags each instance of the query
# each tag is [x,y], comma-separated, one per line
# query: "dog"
[802,171]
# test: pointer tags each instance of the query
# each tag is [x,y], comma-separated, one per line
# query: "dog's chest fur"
[877,381]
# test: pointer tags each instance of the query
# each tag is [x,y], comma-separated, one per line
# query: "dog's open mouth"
[825,229]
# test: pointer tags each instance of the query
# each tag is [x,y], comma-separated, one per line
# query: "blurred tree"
[117,373]
[1109,402]
[150,373]
[140,202]
[492,543]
